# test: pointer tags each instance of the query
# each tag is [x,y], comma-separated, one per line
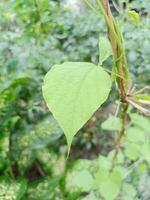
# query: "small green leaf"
[73,91]
[145,97]
[143,167]
[14,83]
[83,180]
[109,183]
[104,49]
[140,121]
[114,73]
[128,192]
[46,188]
[10,189]
[91,196]
[79,170]
[136,134]
[122,170]
[134,17]
[112,124]
[119,157]
[145,151]
[104,162]
[132,151]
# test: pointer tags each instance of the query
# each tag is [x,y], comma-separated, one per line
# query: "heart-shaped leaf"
[73,92]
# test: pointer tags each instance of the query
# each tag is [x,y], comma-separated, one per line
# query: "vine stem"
[116,41]
[124,107]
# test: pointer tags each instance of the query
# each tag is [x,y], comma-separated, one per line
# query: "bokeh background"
[34,35]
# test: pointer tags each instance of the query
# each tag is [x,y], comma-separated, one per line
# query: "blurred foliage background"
[34,35]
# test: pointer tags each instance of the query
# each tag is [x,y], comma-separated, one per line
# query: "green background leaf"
[104,49]
[136,134]
[129,191]
[132,151]
[91,196]
[83,180]
[140,121]
[12,189]
[134,17]
[109,183]
[112,124]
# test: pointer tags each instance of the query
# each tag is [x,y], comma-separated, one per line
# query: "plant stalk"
[116,40]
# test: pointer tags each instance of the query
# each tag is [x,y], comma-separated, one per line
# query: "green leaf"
[134,17]
[143,167]
[145,151]
[10,189]
[4,150]
[119,157]
[145,97]
[83,180]
[132,151]
[114,73]
[128,192]
[91,196]
[42,134]
[44,189]
[109,183]
[50,161]
[112,124]
[78,170]
[104,49]
[104,162]
[73,92]
[140,121]
[122,170]
[136,134]
[84,164]
[14,83]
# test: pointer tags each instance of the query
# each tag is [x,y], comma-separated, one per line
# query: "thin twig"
[137,106]
[144,102]
[142,90]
